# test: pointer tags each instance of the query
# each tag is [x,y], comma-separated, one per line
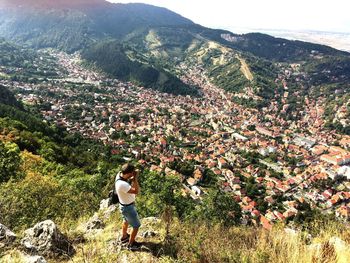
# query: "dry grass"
[12,257]
[245,244]
[202,243]
[102,247]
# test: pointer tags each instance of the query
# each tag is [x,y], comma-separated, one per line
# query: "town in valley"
[272,166]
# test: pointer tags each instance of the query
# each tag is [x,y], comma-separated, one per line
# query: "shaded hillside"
[12,55]
[111,57]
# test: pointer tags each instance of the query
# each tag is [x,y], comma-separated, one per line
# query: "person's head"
[128,170]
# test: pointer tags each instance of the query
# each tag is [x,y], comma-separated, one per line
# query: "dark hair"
[128,168]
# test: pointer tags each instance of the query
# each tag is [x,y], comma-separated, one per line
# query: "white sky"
[321,15]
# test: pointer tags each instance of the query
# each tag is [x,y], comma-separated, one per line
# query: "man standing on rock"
[127,193]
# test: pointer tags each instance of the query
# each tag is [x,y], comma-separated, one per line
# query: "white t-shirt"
[122,188]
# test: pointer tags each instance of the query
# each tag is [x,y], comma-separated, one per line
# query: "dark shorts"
[130,215]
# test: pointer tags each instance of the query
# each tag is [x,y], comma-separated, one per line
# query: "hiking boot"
[125,239]
[134,246]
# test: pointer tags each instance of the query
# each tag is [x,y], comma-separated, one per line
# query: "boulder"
[149,233]
[104,204]
[45,239]
[94,223]
[106,209]
[7,237]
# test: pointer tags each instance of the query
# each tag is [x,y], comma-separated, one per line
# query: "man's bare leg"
[133,235]
[125,229]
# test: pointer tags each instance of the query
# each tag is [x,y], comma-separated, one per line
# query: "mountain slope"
[159,47]
[73,25]
[182,47]
[111,57]
[269,47]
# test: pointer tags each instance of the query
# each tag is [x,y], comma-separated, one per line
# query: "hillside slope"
[173,242]
[73,25]
[160,46]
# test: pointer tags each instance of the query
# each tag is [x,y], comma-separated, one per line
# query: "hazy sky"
[322,15]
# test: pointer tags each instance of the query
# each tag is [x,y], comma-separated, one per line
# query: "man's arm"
[135,187]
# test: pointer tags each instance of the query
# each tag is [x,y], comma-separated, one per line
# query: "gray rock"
[95,223]
[6,235]
[104,204]
[149,233]
[46,240]
[107,209]
[34,259]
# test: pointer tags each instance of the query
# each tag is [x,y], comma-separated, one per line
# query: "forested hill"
[73,25]
[111,57]
[147,44]
[280,49]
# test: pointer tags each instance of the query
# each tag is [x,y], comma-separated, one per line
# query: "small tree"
[218,207]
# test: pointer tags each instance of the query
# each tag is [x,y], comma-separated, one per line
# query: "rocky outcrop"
[106,209]
[7,237]
[94,223]
[149,233]
[97,222]
[45,239]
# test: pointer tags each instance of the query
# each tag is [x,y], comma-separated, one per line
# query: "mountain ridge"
[51,3]
[163,42]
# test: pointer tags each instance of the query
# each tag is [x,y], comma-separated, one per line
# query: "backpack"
[113,198]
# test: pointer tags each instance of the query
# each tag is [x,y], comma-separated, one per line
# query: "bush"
[37,198]
[159,192]
[9,161]
[218,207]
